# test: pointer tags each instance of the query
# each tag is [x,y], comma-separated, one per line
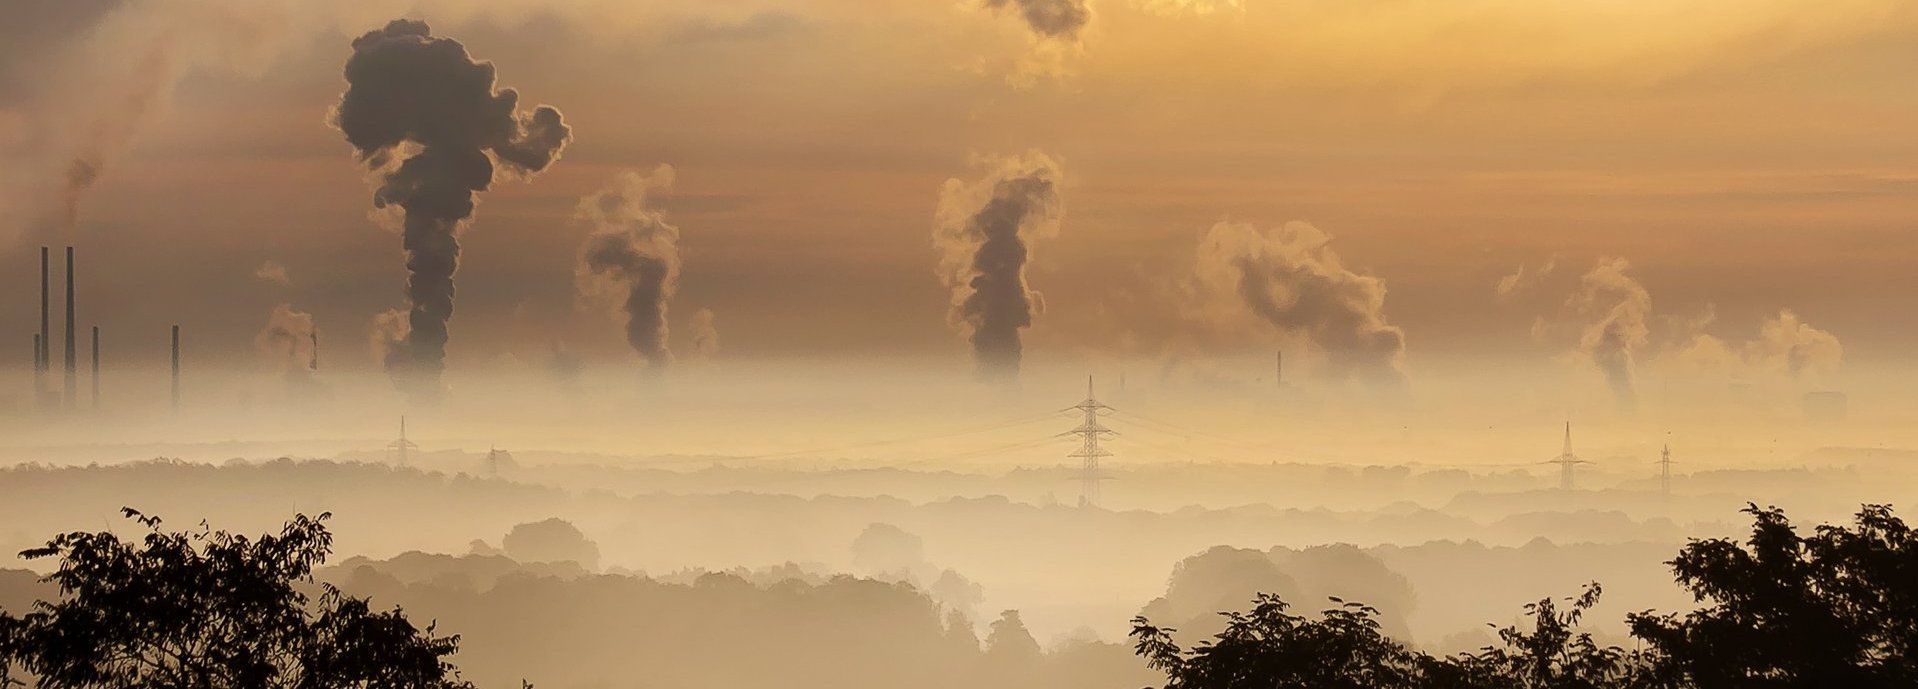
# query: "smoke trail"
[1615,308]
[1054,19]
[984,231]
[274,272]
[1293,280]
[423,113]
[1525,278]
[1802,351]
[633,252]
[705,334]
[287,339]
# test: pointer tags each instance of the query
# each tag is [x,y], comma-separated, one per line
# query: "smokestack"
[1278,370]
[176,369]
[96,367]
[43,356]
[314,363]
[36,357]
[72,388]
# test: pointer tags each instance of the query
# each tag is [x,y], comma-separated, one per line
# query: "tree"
[551,540]
[1270,648]
[207,609]
[1838,608]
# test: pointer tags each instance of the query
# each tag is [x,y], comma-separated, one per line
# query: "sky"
[1622,189]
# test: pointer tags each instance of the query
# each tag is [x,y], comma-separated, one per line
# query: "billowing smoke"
[1803,352]
[1614,309]
[288,341]
[632,255]
[705,334]
[984,232]
[1293,280]
[425,115]
[1054,19]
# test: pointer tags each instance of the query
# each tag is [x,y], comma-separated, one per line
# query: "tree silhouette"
[1838,608]
[207,609]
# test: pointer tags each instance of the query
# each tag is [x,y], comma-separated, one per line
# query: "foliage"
[207,609]
[1838,608]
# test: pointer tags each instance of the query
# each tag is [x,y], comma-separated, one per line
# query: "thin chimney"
[41,357]
[96,367]
[176,369]
[1278,370]
[72,388]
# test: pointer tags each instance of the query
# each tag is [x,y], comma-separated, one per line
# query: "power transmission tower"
[402,446]
[1566,461]
[1090,432]
[1665,471]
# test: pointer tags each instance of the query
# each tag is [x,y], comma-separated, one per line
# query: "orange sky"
[1745,157]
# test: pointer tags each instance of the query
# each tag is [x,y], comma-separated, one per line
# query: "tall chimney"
[96,367]
[36,358]
[176,369]
[1278,370]
[72,389]
[42,358]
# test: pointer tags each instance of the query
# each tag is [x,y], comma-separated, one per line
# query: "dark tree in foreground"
[1838,608]
[210,610]
[1269,648]
[1835,609]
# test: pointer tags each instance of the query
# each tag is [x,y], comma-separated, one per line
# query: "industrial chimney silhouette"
[71,391]
[176,369]
[95,378]
[42,356]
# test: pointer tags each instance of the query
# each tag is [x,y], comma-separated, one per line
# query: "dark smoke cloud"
[426,115]
[984,232]
[1292,279]
[1055,19]
[633,255]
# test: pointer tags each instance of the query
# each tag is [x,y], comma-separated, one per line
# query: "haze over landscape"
[637,343]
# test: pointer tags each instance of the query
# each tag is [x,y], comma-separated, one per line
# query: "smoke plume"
[705,334]
[420,111]
[1525,278]
[1053,19]
[272,271]
[1292,279]
[984,231]
[1615,309]
[1803,352]
[287,340]
[633,255]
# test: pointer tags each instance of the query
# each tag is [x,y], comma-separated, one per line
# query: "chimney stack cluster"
[69,394]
